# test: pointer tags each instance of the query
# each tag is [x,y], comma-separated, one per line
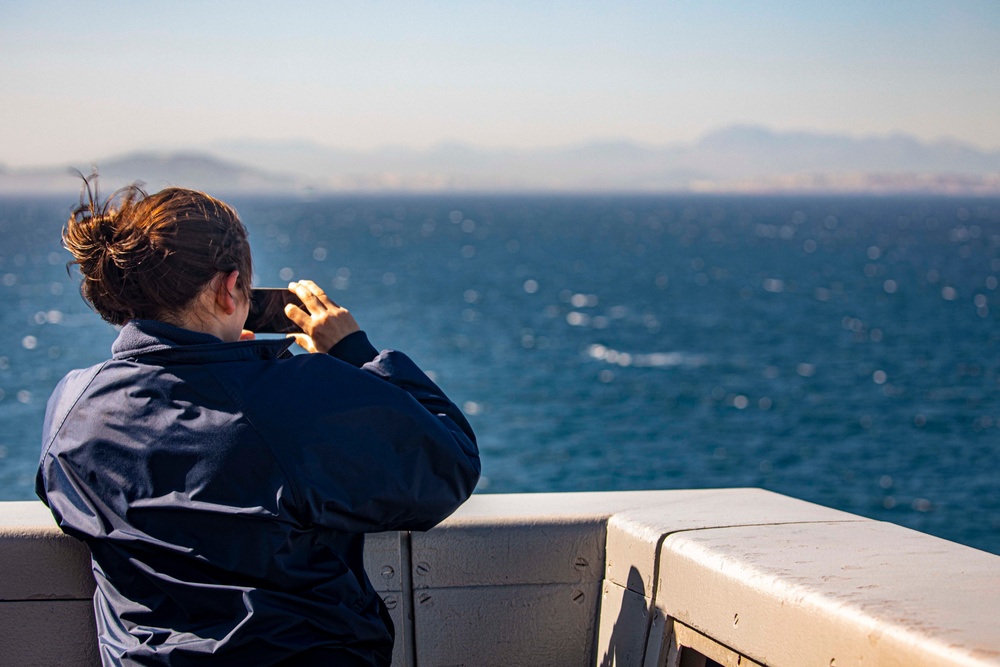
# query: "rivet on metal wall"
[578,597]
[581,563]
[388,572]
[390,602]
[423,568]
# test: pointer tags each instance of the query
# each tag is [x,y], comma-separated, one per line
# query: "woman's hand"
[325,324]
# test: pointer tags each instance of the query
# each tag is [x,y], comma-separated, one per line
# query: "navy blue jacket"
[224,490]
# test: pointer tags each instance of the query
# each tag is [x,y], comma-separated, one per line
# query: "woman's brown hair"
[148,256]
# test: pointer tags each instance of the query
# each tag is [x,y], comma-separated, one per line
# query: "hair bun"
[149,257]
[92,236]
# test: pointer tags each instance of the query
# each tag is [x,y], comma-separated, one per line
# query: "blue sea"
[839,350]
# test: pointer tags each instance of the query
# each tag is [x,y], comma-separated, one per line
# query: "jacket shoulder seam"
[62,422]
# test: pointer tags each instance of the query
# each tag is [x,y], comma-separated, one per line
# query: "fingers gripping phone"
[267,311]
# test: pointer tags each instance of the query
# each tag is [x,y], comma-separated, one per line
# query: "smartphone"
[267,311]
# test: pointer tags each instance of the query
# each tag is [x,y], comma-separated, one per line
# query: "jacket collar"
[153,339]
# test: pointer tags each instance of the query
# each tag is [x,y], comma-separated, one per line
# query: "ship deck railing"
[687,578]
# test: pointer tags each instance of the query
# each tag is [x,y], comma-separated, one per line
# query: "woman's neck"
[213,313]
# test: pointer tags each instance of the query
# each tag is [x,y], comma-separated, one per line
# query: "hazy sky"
[85,80]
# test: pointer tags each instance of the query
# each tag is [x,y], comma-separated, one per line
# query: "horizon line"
[210,148]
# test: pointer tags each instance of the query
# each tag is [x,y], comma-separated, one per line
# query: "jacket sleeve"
[401,455]
[356,350]
[397,369]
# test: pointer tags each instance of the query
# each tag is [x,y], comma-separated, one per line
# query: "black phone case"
[267,311]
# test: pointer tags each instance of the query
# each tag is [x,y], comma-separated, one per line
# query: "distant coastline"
[739,159]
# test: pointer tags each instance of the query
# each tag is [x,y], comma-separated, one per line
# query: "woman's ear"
[225,292]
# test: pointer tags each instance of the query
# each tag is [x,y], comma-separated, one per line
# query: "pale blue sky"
[86,80]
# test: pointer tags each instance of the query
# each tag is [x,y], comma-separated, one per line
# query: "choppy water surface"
[842,351]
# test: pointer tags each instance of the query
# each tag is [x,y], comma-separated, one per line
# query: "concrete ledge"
[545,550]
[742,576]
[631,532]
[477,575]
[48,634]
[536,624]
[836,594]
[37,561]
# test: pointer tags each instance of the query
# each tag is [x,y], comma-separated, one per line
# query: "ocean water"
[839,350]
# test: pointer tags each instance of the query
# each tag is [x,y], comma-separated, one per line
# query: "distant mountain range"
[736,159]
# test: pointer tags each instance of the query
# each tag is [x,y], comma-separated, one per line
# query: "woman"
[222,484]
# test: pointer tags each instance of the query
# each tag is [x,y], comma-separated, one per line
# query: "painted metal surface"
[741,576]
[836,594]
